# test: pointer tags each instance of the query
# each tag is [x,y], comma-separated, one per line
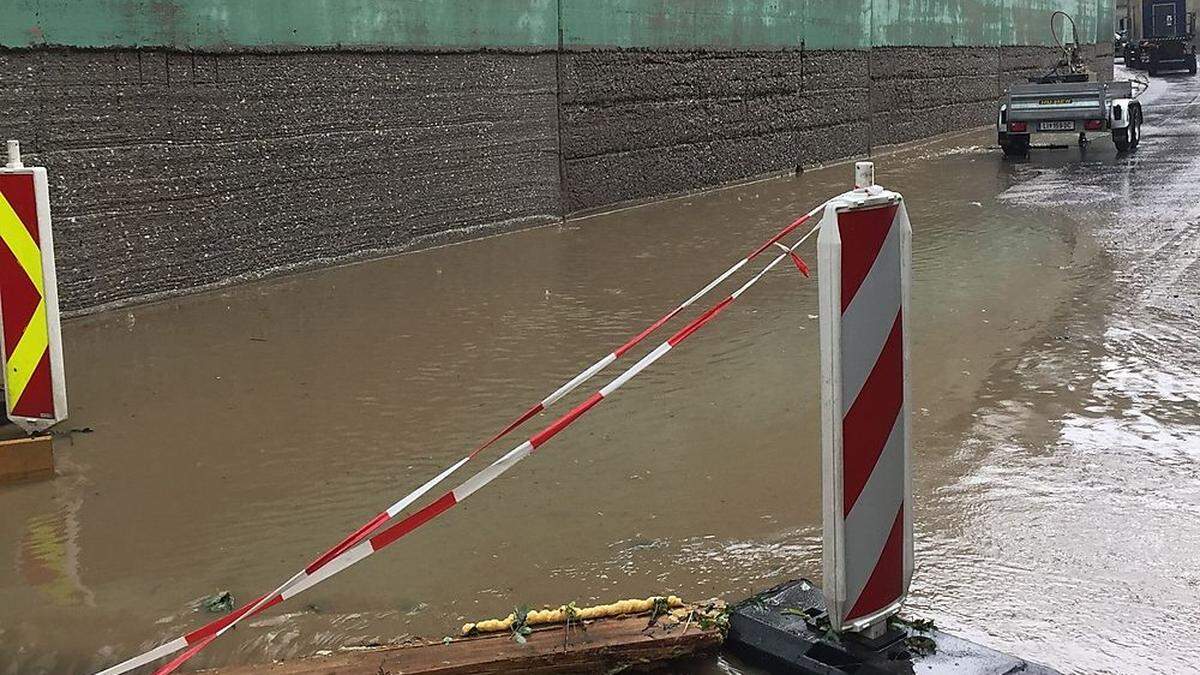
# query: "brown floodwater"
[241,431]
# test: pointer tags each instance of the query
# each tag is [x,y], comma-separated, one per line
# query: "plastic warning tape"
[198,639]
[373,525]
[364,541]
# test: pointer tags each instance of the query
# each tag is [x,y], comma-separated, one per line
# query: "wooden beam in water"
[24,459]
[608,645]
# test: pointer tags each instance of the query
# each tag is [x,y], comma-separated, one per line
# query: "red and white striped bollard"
[865,251]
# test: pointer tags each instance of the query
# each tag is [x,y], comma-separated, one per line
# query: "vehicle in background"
[1161,36]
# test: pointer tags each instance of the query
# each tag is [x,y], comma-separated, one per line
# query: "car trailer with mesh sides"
[1068,104]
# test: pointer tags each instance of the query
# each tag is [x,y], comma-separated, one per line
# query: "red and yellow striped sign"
[28,303]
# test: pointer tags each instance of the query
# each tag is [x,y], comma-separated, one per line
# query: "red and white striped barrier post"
[864,269]
[34,386]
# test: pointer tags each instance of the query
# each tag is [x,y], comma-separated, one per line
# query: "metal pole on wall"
[864,263]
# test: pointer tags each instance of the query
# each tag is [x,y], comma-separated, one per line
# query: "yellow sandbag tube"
[541,617]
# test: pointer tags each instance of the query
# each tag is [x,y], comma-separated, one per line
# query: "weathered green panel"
[1029,21]
[716,24]
[942,23]
[219,24]
[534,24]
[1105,19]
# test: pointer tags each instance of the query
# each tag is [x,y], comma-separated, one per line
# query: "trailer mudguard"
[1119,115]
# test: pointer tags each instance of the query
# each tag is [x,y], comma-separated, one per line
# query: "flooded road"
[1071,533]
[1056,351]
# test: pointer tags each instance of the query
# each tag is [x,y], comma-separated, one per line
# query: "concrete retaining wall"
[175,169]
[641,124]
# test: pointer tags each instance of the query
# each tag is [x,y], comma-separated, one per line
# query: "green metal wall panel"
[941,23]
[1105,19]
[534,24]
[1028,21]
[222,24]
[716,24]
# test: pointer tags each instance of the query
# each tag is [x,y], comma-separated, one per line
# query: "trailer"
[1067,100]
[1161,36]
[1068,105]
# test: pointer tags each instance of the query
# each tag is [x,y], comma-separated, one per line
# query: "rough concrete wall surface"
[1017,64]
[918,91]
[641,124]
[1102,59]
[243,137]
[172,170]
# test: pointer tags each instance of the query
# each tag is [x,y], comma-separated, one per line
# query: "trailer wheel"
[1192,65]
[1121,139]
[1017,145]
[1127,139]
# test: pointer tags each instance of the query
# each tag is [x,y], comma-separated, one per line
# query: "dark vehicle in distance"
[1161,36]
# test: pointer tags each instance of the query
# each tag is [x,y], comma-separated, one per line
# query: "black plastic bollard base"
[785,629]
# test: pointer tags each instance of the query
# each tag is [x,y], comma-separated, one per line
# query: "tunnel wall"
[197,142]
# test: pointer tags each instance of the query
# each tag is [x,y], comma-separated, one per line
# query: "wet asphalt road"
[1084,522]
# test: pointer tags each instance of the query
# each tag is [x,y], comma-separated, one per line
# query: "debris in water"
[221,602]
[916,643]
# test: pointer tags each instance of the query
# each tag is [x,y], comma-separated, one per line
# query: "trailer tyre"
[1016,146]
[1128,138]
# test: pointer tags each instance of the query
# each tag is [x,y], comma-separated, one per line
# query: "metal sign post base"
[786,630]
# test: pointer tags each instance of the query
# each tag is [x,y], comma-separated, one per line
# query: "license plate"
[1054,101]
[1056,126]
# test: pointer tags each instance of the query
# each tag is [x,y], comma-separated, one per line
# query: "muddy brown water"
[239,432]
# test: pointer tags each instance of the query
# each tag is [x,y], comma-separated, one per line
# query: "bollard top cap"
[14,155]
[864,175]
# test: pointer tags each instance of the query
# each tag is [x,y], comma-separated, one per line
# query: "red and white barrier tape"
[364,541]
[375,523]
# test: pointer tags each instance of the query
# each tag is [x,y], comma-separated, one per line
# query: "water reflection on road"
[1080,512]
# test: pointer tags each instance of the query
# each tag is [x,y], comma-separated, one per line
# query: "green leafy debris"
[219,603]
[519,628]
[920,645]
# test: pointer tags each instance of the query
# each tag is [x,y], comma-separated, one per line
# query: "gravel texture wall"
[172,170]
[642,124]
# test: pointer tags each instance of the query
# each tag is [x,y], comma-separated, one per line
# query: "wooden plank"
[608,645]
[26,459]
